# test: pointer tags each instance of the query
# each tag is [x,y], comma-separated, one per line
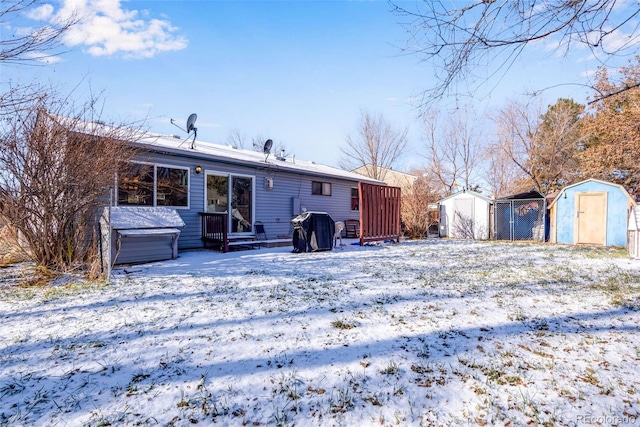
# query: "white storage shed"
[465,215]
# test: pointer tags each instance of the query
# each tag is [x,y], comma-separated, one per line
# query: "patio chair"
[338,234]
[352,228]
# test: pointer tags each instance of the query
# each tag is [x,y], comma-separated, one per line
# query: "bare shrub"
[416,215]
[463,226]
[58,163]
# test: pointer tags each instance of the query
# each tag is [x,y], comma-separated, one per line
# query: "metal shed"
[465,215]
[520,217]
[140,234]
[591,212]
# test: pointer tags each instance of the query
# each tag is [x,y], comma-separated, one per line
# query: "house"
[390,177]
[633,239]
[206,182]
[465,215]
[591,212]
[520,216]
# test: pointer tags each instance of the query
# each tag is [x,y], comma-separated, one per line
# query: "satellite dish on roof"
[191,121]
[267,146]
[266,149]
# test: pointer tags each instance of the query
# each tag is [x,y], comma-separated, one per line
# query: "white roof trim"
[217,152]
[469,192]
[613,184]
[634,219]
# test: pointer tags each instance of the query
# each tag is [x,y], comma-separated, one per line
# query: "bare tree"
[58,164]
[502,174]
[459,36]
[543,146]
[236,138]
[278,148]
[377,146]
[20,45]
[453,148]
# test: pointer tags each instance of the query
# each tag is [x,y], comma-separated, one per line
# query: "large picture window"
[154,185]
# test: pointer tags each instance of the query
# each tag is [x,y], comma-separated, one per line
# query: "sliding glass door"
[236,190]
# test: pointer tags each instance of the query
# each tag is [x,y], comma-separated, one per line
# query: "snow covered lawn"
[418,333]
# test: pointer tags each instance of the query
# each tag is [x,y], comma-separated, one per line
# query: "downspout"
[110,231]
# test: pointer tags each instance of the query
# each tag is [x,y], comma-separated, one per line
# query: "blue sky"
[298,72]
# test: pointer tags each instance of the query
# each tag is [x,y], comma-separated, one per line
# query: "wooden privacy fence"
[379,212]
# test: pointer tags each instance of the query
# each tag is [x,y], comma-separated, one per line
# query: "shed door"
[591,218]
[463,219]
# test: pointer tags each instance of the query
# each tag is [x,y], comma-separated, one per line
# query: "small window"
[172,186]
[355,200]
[321,188]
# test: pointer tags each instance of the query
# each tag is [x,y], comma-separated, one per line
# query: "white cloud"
[105,28]
[43,57]
[618,40]
[41,13]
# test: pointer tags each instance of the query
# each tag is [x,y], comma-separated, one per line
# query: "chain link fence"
[520,219]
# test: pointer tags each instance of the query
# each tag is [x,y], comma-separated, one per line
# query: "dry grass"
[10,251]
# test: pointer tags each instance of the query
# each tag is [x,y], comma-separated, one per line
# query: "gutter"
[248,163]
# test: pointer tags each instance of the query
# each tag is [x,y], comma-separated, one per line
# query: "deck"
[215,234]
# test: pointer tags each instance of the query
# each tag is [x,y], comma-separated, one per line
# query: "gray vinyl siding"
[274,207]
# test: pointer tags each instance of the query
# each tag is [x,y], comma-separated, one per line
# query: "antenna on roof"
[191,121]
[266,149]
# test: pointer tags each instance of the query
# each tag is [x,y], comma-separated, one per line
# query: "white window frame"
[230,176]
[155,184]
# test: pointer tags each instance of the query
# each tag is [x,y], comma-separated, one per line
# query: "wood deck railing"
[214,229]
